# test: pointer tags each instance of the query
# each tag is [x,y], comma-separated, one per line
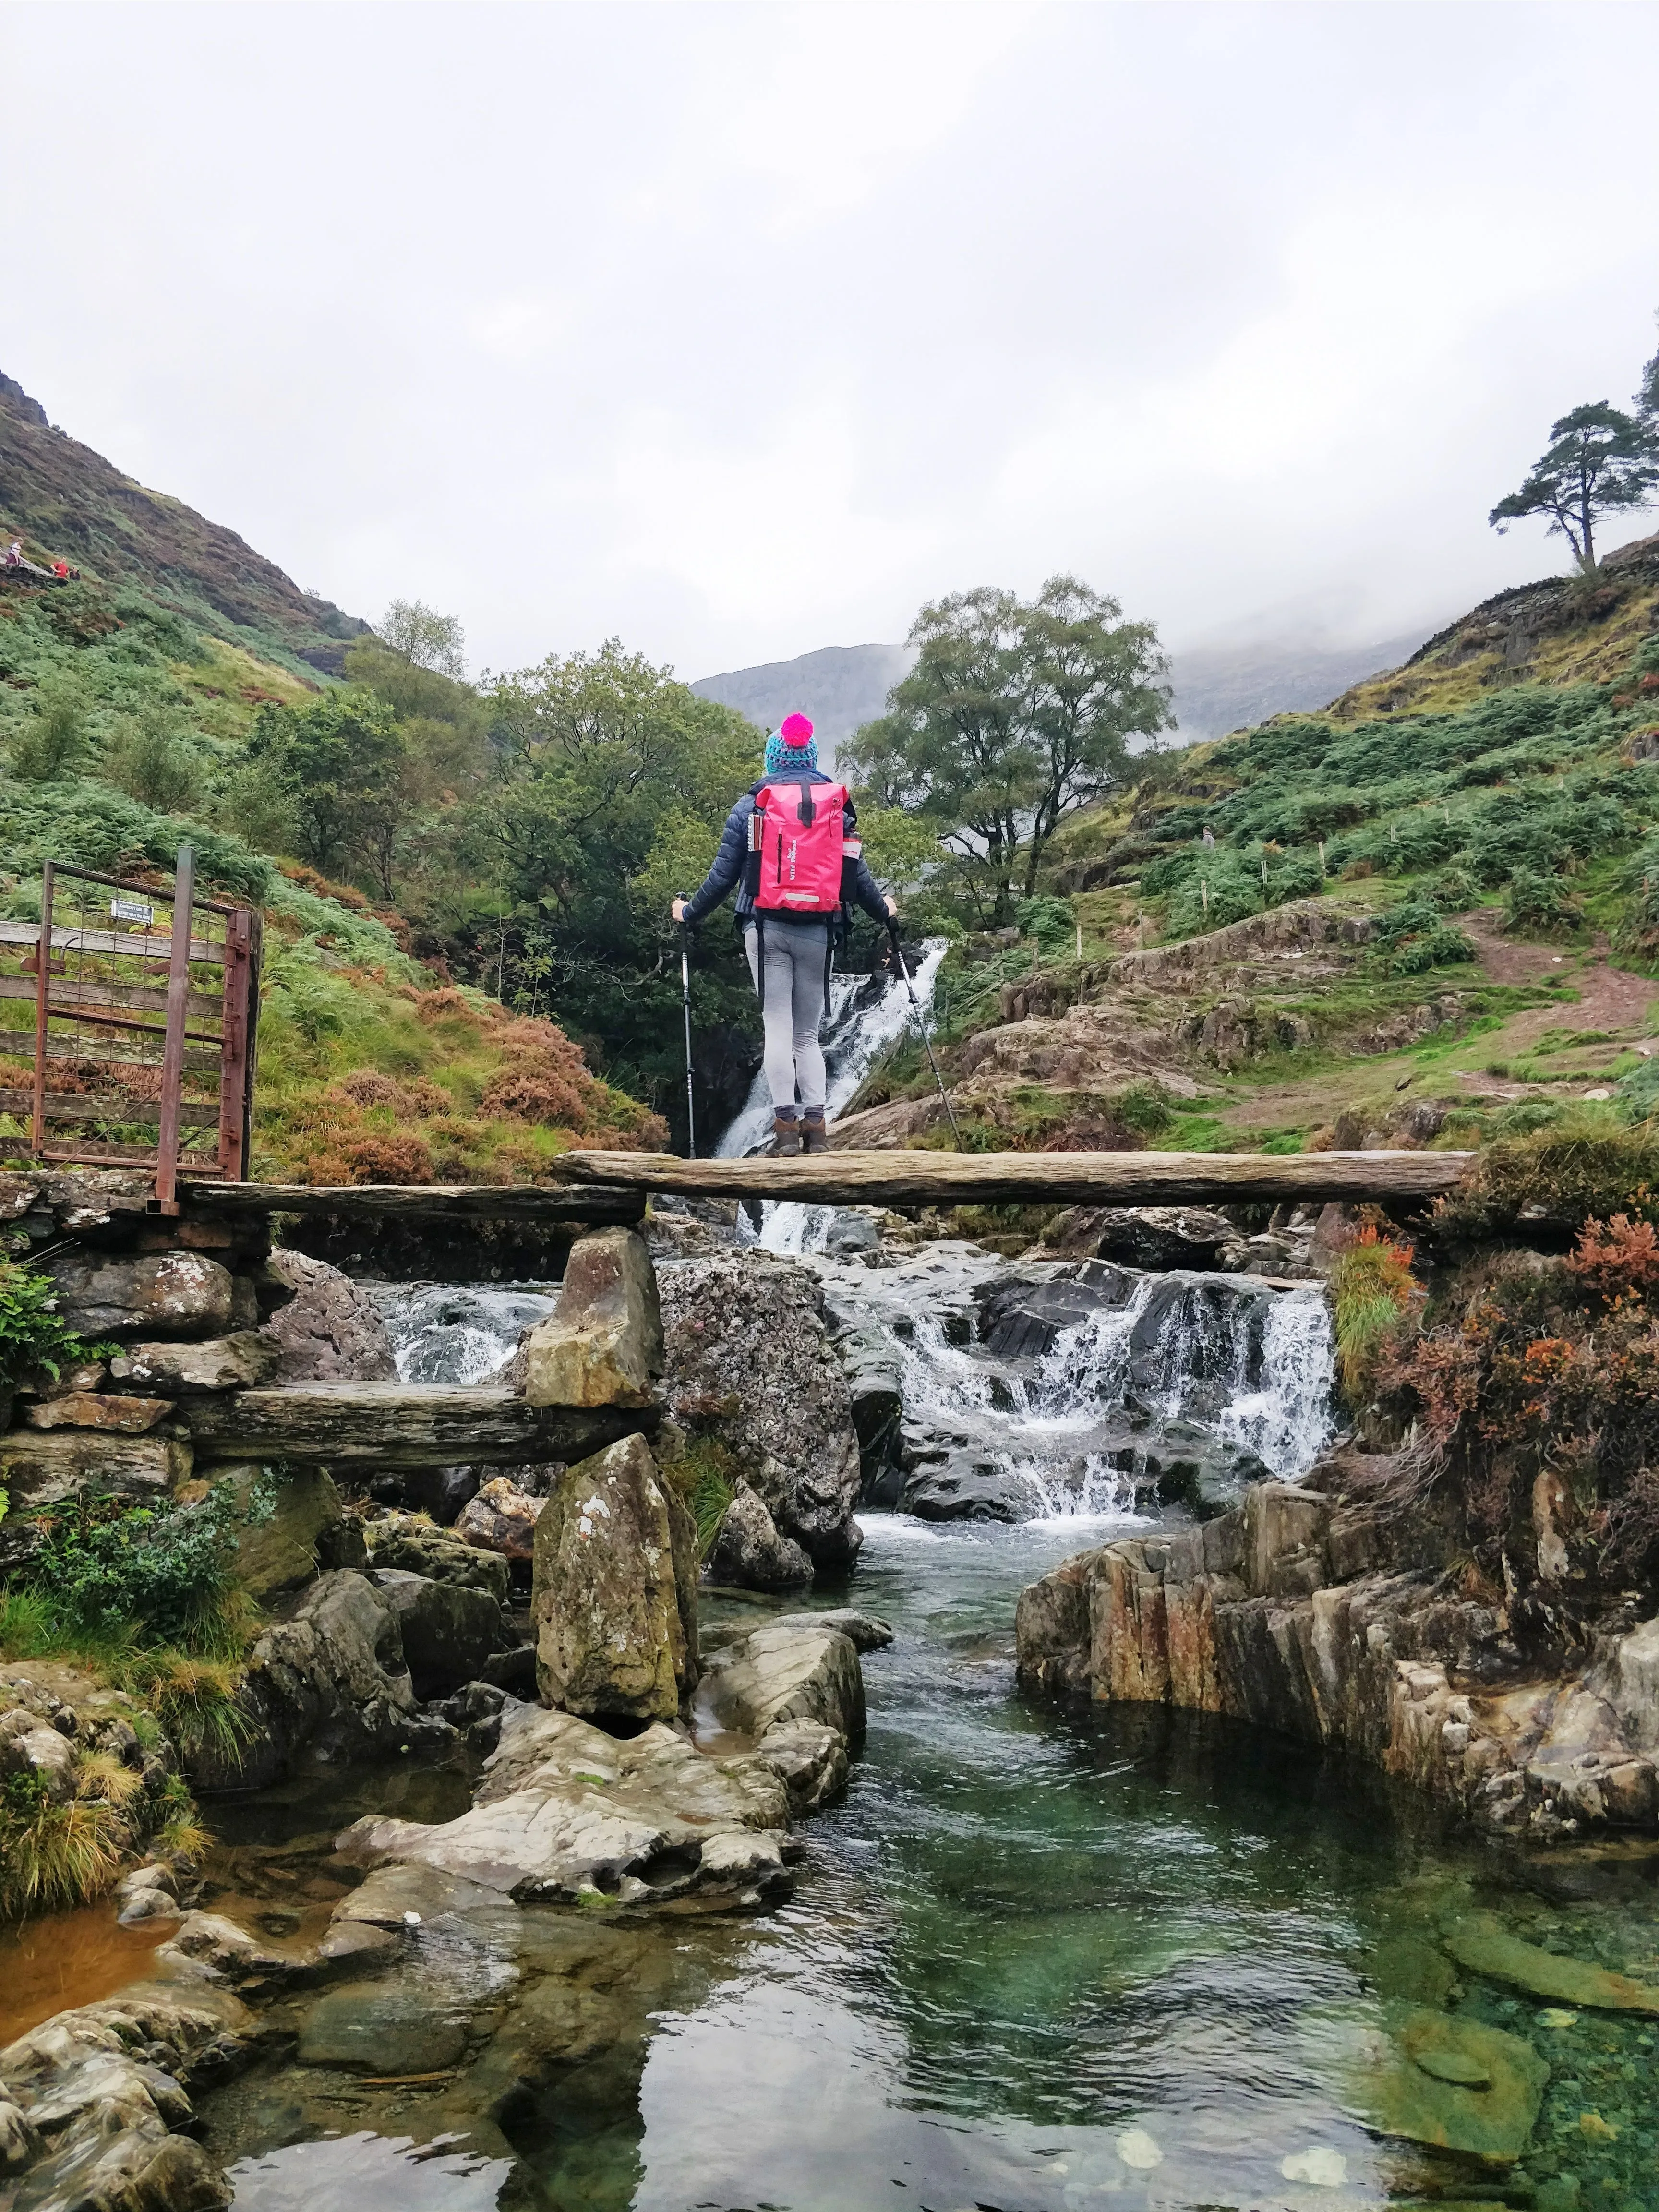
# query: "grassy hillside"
[131,707]
[65,500]
[1431,923]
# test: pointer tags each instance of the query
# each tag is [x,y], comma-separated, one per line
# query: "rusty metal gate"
[142,1042]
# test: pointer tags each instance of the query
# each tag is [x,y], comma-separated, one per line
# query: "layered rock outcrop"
[1318,1610]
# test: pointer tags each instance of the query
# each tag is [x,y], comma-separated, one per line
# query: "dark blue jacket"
[734,850]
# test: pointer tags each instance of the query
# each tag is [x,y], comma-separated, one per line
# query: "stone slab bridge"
[180,1295]
[613,1187]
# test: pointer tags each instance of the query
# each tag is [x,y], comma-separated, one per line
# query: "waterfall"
[1179,1385]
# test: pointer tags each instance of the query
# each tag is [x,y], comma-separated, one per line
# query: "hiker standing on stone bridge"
[790,849]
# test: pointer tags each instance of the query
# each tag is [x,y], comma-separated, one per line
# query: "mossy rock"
[1481,1946]
[1435,2078]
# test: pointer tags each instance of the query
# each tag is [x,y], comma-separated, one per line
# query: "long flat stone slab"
[404,1425]
[591,1205]
[930,1178]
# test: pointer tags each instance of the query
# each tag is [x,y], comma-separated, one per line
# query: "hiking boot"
[814,1136]
[785,1137]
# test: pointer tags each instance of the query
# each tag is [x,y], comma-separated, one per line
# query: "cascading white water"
[1204,1366]
[451,1333]
[1287,1422]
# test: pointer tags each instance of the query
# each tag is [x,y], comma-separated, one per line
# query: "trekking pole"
[686,999]
[944,1095]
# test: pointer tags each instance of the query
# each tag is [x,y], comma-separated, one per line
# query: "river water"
[1045,1956]
[1042,1957]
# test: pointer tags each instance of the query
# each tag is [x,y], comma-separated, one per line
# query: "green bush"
[122,1575]
[1412,938]
[32,1332]
[1540,906]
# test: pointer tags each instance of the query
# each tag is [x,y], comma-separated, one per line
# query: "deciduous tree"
[1016,713]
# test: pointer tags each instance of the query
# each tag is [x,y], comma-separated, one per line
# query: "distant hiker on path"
[60,568]
[15,554]
[790,849]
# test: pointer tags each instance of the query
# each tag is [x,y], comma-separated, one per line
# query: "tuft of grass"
[1373,1290]
[706,1476]
[56,1851]
[1563,1165]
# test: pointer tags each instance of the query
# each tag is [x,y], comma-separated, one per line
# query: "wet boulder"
[602,1344]
[876,1392]
[607,1603]
[566,1813]
[330,1330]
[749,1553]
[328,1674]
[1155,1237]
[447,1632]
[801,1668]
[750,1361]
[966,1489]
[1023,1308]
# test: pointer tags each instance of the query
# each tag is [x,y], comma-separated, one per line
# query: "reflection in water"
[1044,1958]
[358,2170]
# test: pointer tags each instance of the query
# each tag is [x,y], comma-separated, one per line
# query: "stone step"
[403,1425]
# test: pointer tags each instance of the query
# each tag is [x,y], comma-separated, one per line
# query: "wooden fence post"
[173,1052]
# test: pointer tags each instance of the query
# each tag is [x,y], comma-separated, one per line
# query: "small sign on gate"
[131,910]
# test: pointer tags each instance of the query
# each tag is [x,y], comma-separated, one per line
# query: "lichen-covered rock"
[602,1344]
[606,1602]
[42,1467]
[153,1293]
[1154,1236]
[418,1547]
[750,1553]
[243,1361]
[279,1551]
[330,1330]
[750,1361]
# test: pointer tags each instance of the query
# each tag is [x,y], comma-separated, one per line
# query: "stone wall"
[1315,1611]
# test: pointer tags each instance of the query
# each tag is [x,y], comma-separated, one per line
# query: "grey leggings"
[792,1006]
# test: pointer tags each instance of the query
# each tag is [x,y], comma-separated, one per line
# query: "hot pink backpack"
[797,844]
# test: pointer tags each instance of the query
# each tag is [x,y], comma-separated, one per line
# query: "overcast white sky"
[741,329]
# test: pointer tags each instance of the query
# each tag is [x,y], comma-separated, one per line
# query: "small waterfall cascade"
[1047,1390]
[458,1333]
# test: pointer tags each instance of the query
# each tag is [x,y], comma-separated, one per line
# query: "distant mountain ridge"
[841,687]
[1217,688]
[65,500]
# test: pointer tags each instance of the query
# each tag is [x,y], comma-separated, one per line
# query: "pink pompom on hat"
[796,730]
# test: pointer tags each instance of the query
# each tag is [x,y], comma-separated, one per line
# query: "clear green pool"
[1042,1958]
